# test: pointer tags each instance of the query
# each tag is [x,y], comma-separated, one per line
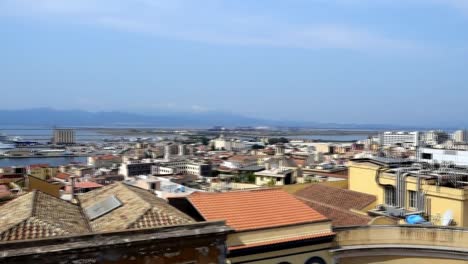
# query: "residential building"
[403,188]
[343,207]
[401,138]
[42,171]
[270,226]
[240,161]
[132,168]
[274,177]
[222,143]
[460,136]
[182,166]
[434,137]
[434,156]
[33,218]
[104,161]
[114,224]
[80,187]
[50,187]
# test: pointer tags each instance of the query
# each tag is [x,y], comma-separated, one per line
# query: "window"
[315,260]
[426,156]
[390,195]
[412,199]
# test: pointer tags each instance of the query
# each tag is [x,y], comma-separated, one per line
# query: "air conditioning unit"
[395,211]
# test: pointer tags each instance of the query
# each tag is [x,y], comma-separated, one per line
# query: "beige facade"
[438,199]
[43,173]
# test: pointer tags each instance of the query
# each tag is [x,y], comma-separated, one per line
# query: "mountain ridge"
[53,117]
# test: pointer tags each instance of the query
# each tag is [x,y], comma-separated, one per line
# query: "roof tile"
[246,210]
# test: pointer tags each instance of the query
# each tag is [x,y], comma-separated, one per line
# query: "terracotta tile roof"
[39,215]
[279,241]
[339,216]
[242,158]
[247,210]
[140,209]
[341,198]
[35,166]
[87,185]
[106,157]
[300,162]
[63,175]
[4,191]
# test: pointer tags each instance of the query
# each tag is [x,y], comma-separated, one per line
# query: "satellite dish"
[447,218]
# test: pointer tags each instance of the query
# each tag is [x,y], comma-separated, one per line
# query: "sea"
[86,135]
[52,161]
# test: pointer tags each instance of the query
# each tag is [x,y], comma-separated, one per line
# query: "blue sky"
[348,61]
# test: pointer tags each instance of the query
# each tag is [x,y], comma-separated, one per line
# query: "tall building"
[399,138]
[460,136]
[64,136]
[435,137]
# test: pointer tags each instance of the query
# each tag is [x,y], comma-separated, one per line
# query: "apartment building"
[399,138]
[438,194]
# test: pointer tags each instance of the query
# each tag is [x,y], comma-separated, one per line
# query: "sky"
[346,61]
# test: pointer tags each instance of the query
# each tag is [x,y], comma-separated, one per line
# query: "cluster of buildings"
[229,202]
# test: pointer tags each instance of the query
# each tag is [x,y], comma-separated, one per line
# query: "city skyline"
[316,61]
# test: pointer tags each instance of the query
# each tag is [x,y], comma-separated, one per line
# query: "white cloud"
[203,21]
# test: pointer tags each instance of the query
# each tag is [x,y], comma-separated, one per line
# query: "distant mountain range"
[52,117]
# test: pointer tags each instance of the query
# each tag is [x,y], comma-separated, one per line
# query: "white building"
[435,137]
[431,155]
[181,166]
[399,138]
[222,143]
[275,177]
[460,136]
[240,161]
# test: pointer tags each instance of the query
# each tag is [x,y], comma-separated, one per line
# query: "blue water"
[52,161]
[44,134]
[330,137]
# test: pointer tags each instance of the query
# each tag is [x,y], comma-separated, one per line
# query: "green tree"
[273,141]
[256,146]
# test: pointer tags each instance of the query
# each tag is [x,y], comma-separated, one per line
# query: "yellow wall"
[267,179]
[264,235]
[43,186]
[44,173]
[399,260]
[435,241]
[285,255]
[294,255]
[438,199]
[362,179]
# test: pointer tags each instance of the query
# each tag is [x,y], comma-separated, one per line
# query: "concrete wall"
[400,244]
[400,260]
[297,255]
[43,186]
[196,243]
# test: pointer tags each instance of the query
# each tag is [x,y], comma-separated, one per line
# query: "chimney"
[73,198]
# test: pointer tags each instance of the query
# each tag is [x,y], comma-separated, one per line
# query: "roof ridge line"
[138,218]
[339,189]
[34,201]
[331,206]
